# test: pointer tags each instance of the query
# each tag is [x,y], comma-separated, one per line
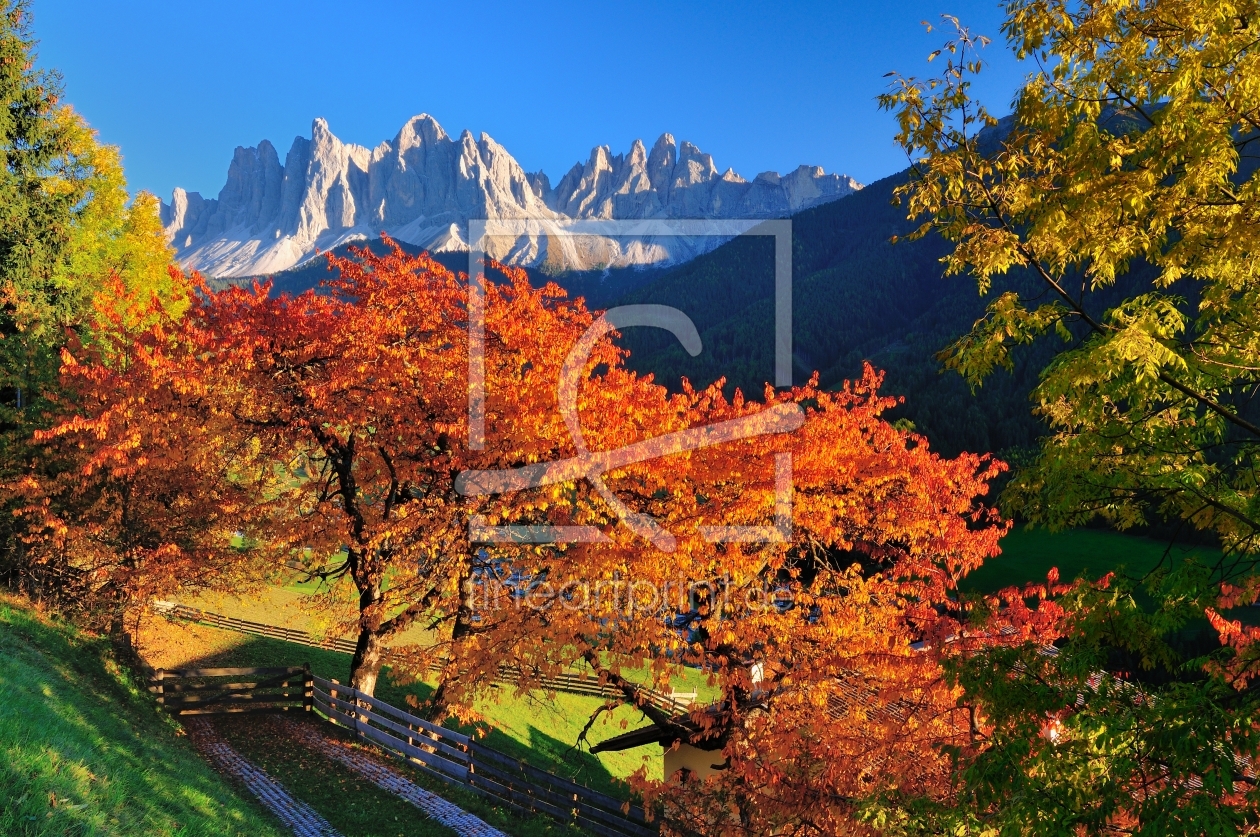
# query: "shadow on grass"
[351,804]
[500,817]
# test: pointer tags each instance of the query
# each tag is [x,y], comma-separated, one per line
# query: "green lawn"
[542,729]
[86,753]
[537,728]
[1027,555]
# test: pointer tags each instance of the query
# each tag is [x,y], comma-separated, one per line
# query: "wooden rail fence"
[460,760]
[245,626]
[572,683]
[448,755]
[212,691]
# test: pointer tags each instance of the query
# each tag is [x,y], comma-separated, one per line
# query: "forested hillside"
[856,296]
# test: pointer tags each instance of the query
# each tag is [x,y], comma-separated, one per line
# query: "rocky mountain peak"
[422,187]
[638,154]
[418,131]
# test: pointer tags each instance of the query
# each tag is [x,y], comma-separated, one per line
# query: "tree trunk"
[369,650]
[365,666]
[438,702]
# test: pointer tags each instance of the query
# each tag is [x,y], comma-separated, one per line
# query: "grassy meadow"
[86,753]
[542,728]
[1028,554]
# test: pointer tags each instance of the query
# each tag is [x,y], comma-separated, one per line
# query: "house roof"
[682,728]
[637,738]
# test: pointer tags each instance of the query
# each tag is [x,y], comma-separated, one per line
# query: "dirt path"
[447,813]
[301,818]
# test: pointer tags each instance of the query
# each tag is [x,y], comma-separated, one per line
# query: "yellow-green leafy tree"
[1124,185]
[71,241]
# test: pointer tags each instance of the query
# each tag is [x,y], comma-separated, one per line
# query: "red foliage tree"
[331,428]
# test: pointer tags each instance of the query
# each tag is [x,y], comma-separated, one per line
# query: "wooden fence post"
[360,720]
[308,689]
[161,689]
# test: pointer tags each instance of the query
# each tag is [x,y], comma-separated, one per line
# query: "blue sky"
[759,86]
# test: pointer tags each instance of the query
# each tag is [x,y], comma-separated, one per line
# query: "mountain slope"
[422,187]
[598,287]
[856,297]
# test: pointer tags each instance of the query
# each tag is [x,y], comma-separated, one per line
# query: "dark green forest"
[857,296]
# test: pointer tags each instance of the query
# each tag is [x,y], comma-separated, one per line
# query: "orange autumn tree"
[847,613]
[361,393]
[336,428]
[130,496]
[355,403]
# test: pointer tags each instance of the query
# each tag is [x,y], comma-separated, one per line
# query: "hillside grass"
[1028,554]
[86,753]
[542,729]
